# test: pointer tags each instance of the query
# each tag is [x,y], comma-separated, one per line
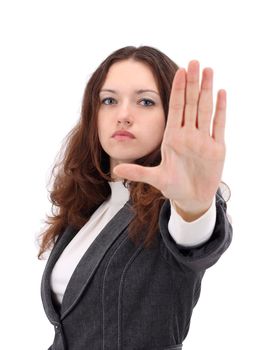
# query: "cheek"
[104,120]
[159,128]
[154,133]
[100,126]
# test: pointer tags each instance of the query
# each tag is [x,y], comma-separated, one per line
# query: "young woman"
[140,215]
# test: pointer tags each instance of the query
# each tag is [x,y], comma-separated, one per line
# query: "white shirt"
[184,233]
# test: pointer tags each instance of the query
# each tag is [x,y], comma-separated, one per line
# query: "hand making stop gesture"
[193,145]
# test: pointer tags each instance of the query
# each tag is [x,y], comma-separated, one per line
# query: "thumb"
[134,172]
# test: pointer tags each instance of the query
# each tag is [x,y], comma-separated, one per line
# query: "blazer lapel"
[46,292]
[92,257]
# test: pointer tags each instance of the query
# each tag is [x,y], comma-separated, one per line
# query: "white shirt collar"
[119,193]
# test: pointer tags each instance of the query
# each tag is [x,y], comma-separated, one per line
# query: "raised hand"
[193,146]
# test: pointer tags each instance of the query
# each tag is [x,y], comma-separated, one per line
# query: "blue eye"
[148,103]
[108,101]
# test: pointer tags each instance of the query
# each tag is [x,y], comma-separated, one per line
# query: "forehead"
[130,73]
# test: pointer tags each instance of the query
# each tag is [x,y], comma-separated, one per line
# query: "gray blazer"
[123,297]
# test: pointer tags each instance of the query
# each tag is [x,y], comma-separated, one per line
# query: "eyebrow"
[138,92]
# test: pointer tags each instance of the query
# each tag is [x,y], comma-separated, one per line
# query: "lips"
[123,133]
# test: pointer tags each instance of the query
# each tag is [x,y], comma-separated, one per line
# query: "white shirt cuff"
[192,233]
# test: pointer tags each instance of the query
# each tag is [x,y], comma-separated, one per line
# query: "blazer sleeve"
[205,255]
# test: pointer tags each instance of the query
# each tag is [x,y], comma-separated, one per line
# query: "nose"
[124,122]
[125,116]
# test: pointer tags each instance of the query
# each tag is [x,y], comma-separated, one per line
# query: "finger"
[205,105]
[192,94]
[219,122]
[134,172]
[177,100]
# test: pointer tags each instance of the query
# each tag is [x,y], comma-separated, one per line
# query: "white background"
[49,49]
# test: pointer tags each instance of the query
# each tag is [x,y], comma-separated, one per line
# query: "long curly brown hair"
[82,171]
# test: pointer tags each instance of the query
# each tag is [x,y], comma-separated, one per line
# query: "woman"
[140,216]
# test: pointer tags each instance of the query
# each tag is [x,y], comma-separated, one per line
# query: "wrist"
[191,213]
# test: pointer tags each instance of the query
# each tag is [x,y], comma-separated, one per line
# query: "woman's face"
[130,102]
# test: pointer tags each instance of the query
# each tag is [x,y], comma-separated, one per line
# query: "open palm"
[193,146]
